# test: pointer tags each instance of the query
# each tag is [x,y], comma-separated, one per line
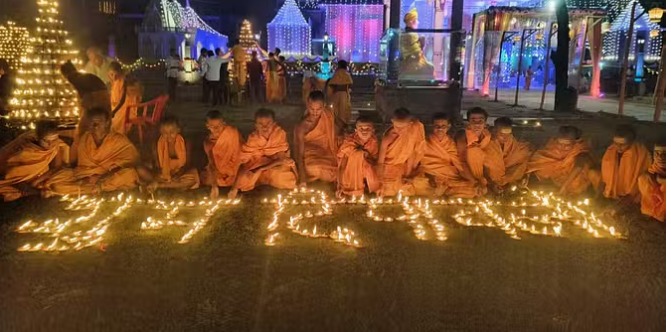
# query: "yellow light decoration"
[41,91]
[654,33]
[14,42]
[655,14]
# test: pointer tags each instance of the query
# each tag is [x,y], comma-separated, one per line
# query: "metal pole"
[625,61]
[519,67]
[660,88]
[546,70]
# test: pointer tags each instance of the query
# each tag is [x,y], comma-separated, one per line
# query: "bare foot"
[233,193]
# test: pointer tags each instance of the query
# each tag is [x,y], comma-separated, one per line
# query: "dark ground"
[227,280]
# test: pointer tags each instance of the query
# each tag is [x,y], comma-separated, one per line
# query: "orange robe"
[224,155]
[320,150]
[133,97]
[620,173]
[516,156]
[550,163]
[402,160]
[173,167]
[273,92]
[652,186]
[259,152]
[356,166]
[339,96]
[441,161]
[116,151]
[23,160]
[483,157]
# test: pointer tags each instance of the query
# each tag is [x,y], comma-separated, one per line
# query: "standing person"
[315,143]
[212,72]
[222,148]
[6,86]
[272,80]
[282,78]
[339,95]
[124,92]
[173,66]
[652,185]
[222,93]
[255,69]
[529,75]
[30,159]
[201,67]
[239,64]
[98,64]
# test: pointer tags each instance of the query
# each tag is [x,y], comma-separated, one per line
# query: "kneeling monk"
[516,154]
[624,161]
[169,166]
[265,158]
[481,157]
[652,185]
[401,151]
[315,143]
[222,148]
[106,161]
[356,160]
[442,164]
[567,162]
[30,159]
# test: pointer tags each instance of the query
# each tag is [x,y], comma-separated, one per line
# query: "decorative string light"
[615,38]
[14,43]
[289,31]
[41,91]
[356,29]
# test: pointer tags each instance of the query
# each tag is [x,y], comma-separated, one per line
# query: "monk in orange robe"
[265,158]
[442,164]
[339,95]
[106,161]
[515,153]
[315,143]
[481,157]
[652,185]
[273,93]
[402,149]
[622,164]
[222,148]
[169,166]
[124,92]
[356,160]
[566,161]
[30,159]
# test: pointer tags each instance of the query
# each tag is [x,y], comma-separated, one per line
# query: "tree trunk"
[455,39]
[562,54]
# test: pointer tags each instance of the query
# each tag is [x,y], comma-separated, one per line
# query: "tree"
[41,90]
[562,96]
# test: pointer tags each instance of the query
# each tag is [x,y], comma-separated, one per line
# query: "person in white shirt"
[98,64]
[212,74]
[173,66]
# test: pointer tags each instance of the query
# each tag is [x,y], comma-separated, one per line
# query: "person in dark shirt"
[5,86]
[255,70]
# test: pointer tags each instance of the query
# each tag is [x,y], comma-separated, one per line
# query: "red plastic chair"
[148,114]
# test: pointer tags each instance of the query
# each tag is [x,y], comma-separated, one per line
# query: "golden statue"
[412,45]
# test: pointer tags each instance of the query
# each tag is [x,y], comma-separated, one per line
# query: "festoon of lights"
[289,31]
[74,233]
[14,43]
[614,39]
[41,91]
[356,28]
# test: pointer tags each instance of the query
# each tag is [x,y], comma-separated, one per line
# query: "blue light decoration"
[289,31]
[614,39]
[356,26]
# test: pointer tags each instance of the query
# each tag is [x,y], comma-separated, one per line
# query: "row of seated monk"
[467,165]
